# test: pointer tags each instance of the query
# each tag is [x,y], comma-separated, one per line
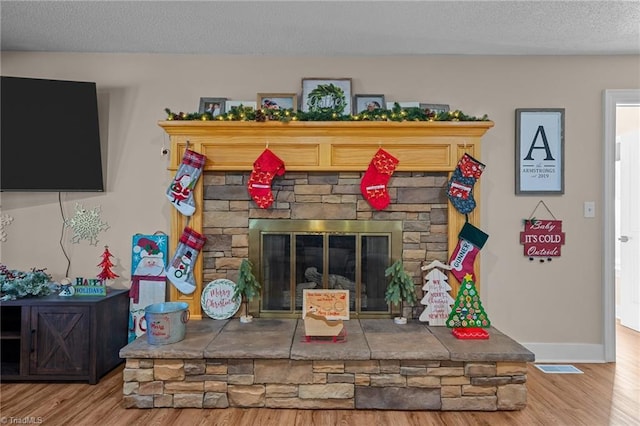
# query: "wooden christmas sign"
[542,238]
[436,298]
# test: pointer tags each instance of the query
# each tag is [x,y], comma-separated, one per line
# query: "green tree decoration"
[467,317]
[401,287]
[247,287]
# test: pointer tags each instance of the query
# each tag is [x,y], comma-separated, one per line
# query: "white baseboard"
[567,352]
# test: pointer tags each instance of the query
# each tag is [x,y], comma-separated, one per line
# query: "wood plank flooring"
[606,394]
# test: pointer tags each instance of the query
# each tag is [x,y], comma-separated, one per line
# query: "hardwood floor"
[606,394]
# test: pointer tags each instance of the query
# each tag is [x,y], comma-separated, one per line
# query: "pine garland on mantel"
[397,113]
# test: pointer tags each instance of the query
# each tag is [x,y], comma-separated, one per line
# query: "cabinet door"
[60,340]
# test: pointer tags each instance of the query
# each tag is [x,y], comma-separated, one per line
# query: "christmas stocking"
[180,192]
[180,271]
[460,186]
[470,242]
[374,182]
[266,166]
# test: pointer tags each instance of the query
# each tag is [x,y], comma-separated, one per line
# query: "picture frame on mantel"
[214,106]
[278,101]
[326,94]
[363,103]
[539,164]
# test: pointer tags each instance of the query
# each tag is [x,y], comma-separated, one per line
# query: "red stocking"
[374,182]
[470,242]
[266,166]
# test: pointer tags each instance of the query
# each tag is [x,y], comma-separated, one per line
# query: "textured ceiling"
[321,28]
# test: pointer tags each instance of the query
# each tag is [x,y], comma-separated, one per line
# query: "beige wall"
[556,303]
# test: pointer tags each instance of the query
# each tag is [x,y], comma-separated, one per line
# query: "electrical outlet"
[589,209]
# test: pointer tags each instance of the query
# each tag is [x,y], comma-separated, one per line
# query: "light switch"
[589,209]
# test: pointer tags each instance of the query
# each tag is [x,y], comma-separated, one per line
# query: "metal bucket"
[166,322]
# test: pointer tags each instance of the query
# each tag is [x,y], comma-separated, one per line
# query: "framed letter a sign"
[540,151]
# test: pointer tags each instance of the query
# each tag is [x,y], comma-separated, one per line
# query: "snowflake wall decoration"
[5,220]
[86,224]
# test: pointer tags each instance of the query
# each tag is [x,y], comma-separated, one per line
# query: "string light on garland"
[397,113]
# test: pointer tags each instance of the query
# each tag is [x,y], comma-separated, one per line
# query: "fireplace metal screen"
[292,255]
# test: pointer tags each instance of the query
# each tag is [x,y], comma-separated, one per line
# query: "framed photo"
[278,101]
[248,104]
[363,103]
[437,108]
[540,151]
[215,106]
[326,95]
[409,104]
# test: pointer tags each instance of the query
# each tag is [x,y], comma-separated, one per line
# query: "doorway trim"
[611,99]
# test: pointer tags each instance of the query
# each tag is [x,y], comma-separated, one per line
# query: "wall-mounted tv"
[49,138]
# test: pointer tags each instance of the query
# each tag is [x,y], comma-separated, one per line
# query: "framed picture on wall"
[214,106]
[540,151]
[326,95]
[278,101]
[363,103]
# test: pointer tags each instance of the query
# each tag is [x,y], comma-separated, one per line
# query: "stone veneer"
[418,199]
[381,365]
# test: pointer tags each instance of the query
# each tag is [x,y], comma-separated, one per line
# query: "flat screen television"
[49,138]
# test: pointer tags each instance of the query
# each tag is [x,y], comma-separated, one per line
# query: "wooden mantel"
[319,147]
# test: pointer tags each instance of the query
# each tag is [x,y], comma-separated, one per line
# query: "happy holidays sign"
[542,238]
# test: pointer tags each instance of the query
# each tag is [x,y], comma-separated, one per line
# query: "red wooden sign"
[542,238]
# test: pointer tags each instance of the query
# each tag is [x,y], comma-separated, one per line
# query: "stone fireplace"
[324,163]
[321,233]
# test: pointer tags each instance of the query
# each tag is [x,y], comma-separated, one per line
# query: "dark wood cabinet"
[57,338]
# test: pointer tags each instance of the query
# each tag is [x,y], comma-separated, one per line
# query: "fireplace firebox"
[292,255]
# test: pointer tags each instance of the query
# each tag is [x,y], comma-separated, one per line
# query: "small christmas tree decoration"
[247,288]
[265,168]
[436,298]
[467,317]
[374,182]
[106,273]
[180,192]
[400,288]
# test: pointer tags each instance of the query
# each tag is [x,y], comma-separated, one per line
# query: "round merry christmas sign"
[217,299]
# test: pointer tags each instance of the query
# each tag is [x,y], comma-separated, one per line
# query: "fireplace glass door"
[295,255]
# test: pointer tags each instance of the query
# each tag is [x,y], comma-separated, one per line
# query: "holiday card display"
[180,191]
[468,318]
[323,312]
[148,278]
[470,242]
[374,182]
[461,183]
[265,168]
[180,269]
[436,298]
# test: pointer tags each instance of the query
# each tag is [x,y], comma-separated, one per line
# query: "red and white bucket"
[166,322]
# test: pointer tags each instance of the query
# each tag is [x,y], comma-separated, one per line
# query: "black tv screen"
[50,139]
